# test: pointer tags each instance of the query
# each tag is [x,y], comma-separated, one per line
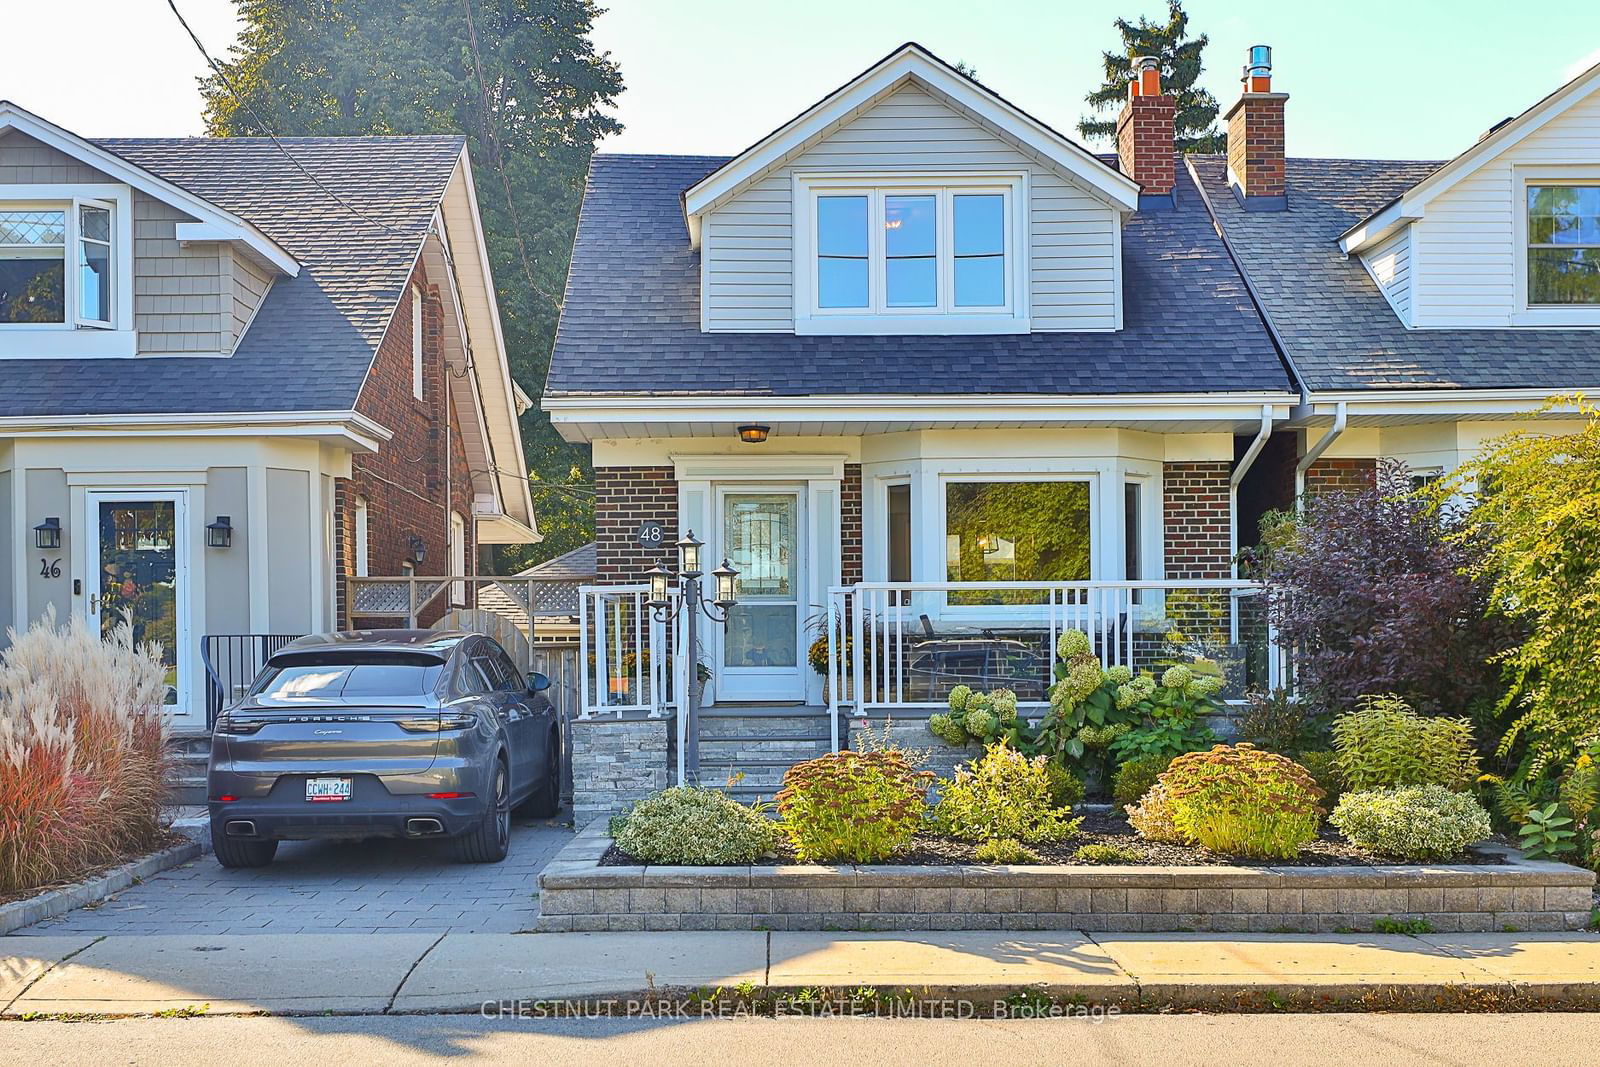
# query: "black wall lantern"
[219,534]
[48,533]
[415,549]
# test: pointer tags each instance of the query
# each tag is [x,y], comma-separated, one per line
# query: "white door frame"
[186,652]
[780,684]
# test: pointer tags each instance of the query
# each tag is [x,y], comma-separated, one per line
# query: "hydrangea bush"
[1415,822]
[689,825]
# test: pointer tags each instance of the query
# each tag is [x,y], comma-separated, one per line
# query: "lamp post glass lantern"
[689,555]
[665,606]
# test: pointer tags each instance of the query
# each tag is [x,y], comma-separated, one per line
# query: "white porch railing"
[902,646]
[624,654]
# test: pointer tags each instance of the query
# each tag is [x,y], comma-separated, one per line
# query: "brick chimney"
[1146,134]
[1255,137]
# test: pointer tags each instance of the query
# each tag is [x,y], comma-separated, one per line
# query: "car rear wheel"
[546,800]
[490,840]
[240,851]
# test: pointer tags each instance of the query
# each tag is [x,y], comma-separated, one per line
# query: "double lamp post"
[667,603]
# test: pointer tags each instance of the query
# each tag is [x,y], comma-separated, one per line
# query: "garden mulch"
[1111,828]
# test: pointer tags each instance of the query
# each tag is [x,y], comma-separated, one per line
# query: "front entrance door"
[137,567]
[760,651]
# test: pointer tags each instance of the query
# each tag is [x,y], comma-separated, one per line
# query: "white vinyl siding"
[1465,257]
[1389,261]
[748,243]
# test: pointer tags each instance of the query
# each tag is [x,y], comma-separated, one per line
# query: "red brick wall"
[1195,514]
[623,498]
[404,482]
[1146,142]
[1340,475]
[1255,144]
[850,524]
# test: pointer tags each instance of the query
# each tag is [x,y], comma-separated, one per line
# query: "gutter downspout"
[1241,469]
[1315,453]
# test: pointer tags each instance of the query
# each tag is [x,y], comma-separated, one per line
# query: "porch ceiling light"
[219,534]
[753,434]
[725,575]
[689,556]
[659,578]
[48,533]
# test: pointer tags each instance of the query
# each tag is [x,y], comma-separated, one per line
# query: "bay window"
[1563,245]
[929,256]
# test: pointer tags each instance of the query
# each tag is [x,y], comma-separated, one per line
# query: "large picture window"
[1564,245]
[1016,531]
[933,250]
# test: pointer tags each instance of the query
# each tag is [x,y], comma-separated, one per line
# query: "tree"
[1374,592]
[522,81]
[1180,68]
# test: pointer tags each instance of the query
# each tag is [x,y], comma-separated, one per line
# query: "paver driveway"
[330,886]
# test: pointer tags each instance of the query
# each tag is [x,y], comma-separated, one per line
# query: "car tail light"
[449,796]
[228,724]
[435,723]
[226,798]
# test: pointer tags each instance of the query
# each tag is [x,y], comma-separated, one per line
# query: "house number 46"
[49,568]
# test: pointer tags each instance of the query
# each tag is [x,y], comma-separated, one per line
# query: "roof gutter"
[1340,418]
[1240,469]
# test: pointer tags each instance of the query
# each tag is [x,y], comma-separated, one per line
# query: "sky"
[1401,79]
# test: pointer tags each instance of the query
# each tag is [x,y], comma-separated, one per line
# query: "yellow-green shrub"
[855,807]
[1239,800]
[1004,795]
[686,825]
[1383,744]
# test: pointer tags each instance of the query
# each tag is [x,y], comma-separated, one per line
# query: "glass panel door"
[137,571]
[760,647]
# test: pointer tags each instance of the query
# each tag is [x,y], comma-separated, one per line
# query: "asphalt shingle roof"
[312,342]
[631,320]
[1338,329]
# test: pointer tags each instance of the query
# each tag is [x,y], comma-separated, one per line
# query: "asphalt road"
[1167,1040]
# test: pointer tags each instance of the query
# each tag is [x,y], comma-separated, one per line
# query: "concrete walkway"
[456,972]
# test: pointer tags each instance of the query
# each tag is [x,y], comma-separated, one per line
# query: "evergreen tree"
[1180,68]
[522,81]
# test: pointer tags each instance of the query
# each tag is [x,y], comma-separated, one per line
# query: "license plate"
[325,789]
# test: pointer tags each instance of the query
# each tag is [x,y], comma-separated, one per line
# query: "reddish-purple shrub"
[1369,591]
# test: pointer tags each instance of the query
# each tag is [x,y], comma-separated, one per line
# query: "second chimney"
[1146,133]
[1255,137]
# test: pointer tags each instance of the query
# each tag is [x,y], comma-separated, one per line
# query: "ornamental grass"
[82,751]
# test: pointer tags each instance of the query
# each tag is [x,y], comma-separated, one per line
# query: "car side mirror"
[538,682]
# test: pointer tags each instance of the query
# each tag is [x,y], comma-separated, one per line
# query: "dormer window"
[911,255]
[1564,245]
[56,265]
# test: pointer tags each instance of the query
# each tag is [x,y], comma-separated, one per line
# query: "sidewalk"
[460,972]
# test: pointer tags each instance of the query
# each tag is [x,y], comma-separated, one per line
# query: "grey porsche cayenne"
[383,733]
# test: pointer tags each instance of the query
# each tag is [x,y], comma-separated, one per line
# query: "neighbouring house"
[939,383]
[240,374]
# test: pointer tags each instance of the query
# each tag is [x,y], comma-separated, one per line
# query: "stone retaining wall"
[616,762]
[580,894]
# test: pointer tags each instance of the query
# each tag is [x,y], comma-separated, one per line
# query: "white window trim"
[416,342]
[879,319]
[77,338]
[1524,313]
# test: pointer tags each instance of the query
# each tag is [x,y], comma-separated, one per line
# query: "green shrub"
[1151,818]
[1242,801]
[1383,744]
[1004,794]
[1106,854]
[1007,850]
[855,807]
[1416,822]
[686,825]
[1324,767]
[1066,788]
[1135,777]
[1277,722]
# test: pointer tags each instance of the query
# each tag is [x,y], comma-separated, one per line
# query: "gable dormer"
[99,257]
[912,200]
[1505,234]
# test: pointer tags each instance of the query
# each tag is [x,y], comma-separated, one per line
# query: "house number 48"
[49,568]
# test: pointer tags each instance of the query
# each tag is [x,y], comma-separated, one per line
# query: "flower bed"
[1499,890]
